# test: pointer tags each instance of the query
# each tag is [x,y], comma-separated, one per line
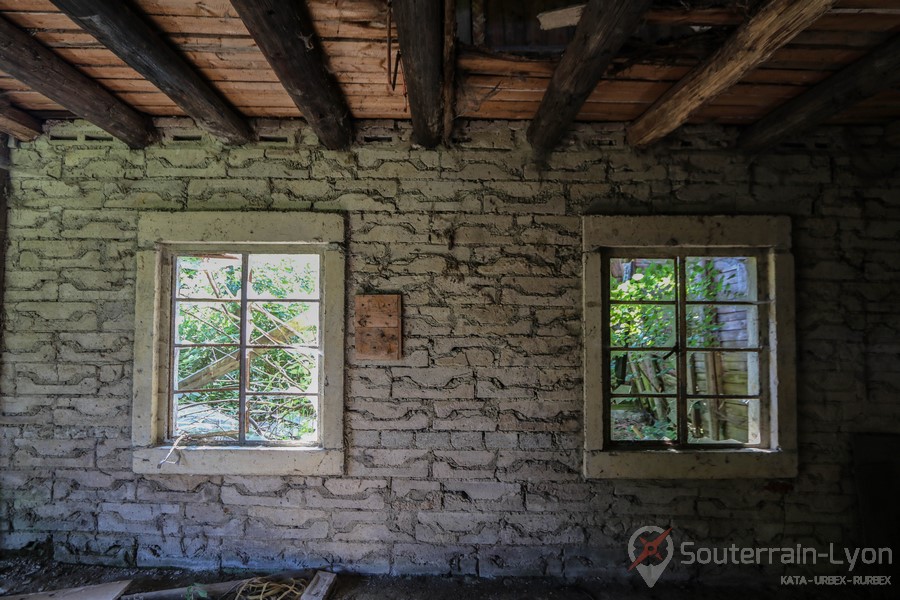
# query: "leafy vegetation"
[281,359]
[643,324]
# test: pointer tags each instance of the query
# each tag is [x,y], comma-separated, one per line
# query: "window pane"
[643,373]
[211,276]
[721,278]
[282,418]
[723,373]
[213,414]
[644,419]
[722,326]
[642,279]
[284,323]
[724,421]
[642,325]
[206,368]
[284,370]
[290,276]
[207,322]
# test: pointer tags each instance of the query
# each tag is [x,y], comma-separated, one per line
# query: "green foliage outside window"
[644,371]
[281,360]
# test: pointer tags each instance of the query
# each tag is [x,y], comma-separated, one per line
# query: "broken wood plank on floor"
[105,591]
[214,590]
[320,586]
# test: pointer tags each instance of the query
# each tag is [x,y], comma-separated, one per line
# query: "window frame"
[766,237]
[161,237]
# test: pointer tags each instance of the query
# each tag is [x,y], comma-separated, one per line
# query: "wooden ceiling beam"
[420,29]
[129,35]
[449,81]
[286,35]
[774,25]
[604,27]
[877,71]
[18,123]
[23,58]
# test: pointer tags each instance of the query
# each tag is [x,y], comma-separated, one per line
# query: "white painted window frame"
[162,234]
[768,235]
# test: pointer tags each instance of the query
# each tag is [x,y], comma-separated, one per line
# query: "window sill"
[690,464]
[230,460]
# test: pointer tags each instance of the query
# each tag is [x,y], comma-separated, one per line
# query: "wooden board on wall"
[379,327]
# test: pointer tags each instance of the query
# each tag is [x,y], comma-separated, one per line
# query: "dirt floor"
[32,572]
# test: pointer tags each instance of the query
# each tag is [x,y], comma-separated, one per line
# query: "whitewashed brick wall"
[464,456]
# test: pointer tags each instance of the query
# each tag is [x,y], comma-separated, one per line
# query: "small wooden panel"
[379,327]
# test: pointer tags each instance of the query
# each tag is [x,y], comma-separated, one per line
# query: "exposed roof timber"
[18,123]
[449,91]
[127,33]
[38,67]
[420,28]
[875,72]
[568,16]
[604,27]
[774,25]
[286,35]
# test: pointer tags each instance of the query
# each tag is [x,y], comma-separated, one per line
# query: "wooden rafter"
[128,34]
[751,44]
[604,27]
[286,35]
[22,57]
[449,58]
[875,72]
[18,123]
[420,27]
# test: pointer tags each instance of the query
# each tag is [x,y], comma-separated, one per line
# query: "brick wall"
[463,457]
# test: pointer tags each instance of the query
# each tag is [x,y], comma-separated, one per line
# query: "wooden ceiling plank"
[604,27]
[127,33]
[420,27]
[286,34]
[750,45]
[42,70]
[875,72]
[18,123]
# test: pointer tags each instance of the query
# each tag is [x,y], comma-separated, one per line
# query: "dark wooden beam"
[604,27]
[285,33]
[18,123]
[448,95]
[22,57]
[420,28]
[873,73]
[129,35]
[750,45]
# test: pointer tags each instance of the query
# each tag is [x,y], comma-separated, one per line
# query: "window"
[239,344]
[245,352]
[688,347]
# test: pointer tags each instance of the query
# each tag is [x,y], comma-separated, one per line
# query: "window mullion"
[243,374]
[681,345]
[605,350]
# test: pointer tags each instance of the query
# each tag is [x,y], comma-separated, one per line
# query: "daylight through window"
[246,350]
[686,349]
